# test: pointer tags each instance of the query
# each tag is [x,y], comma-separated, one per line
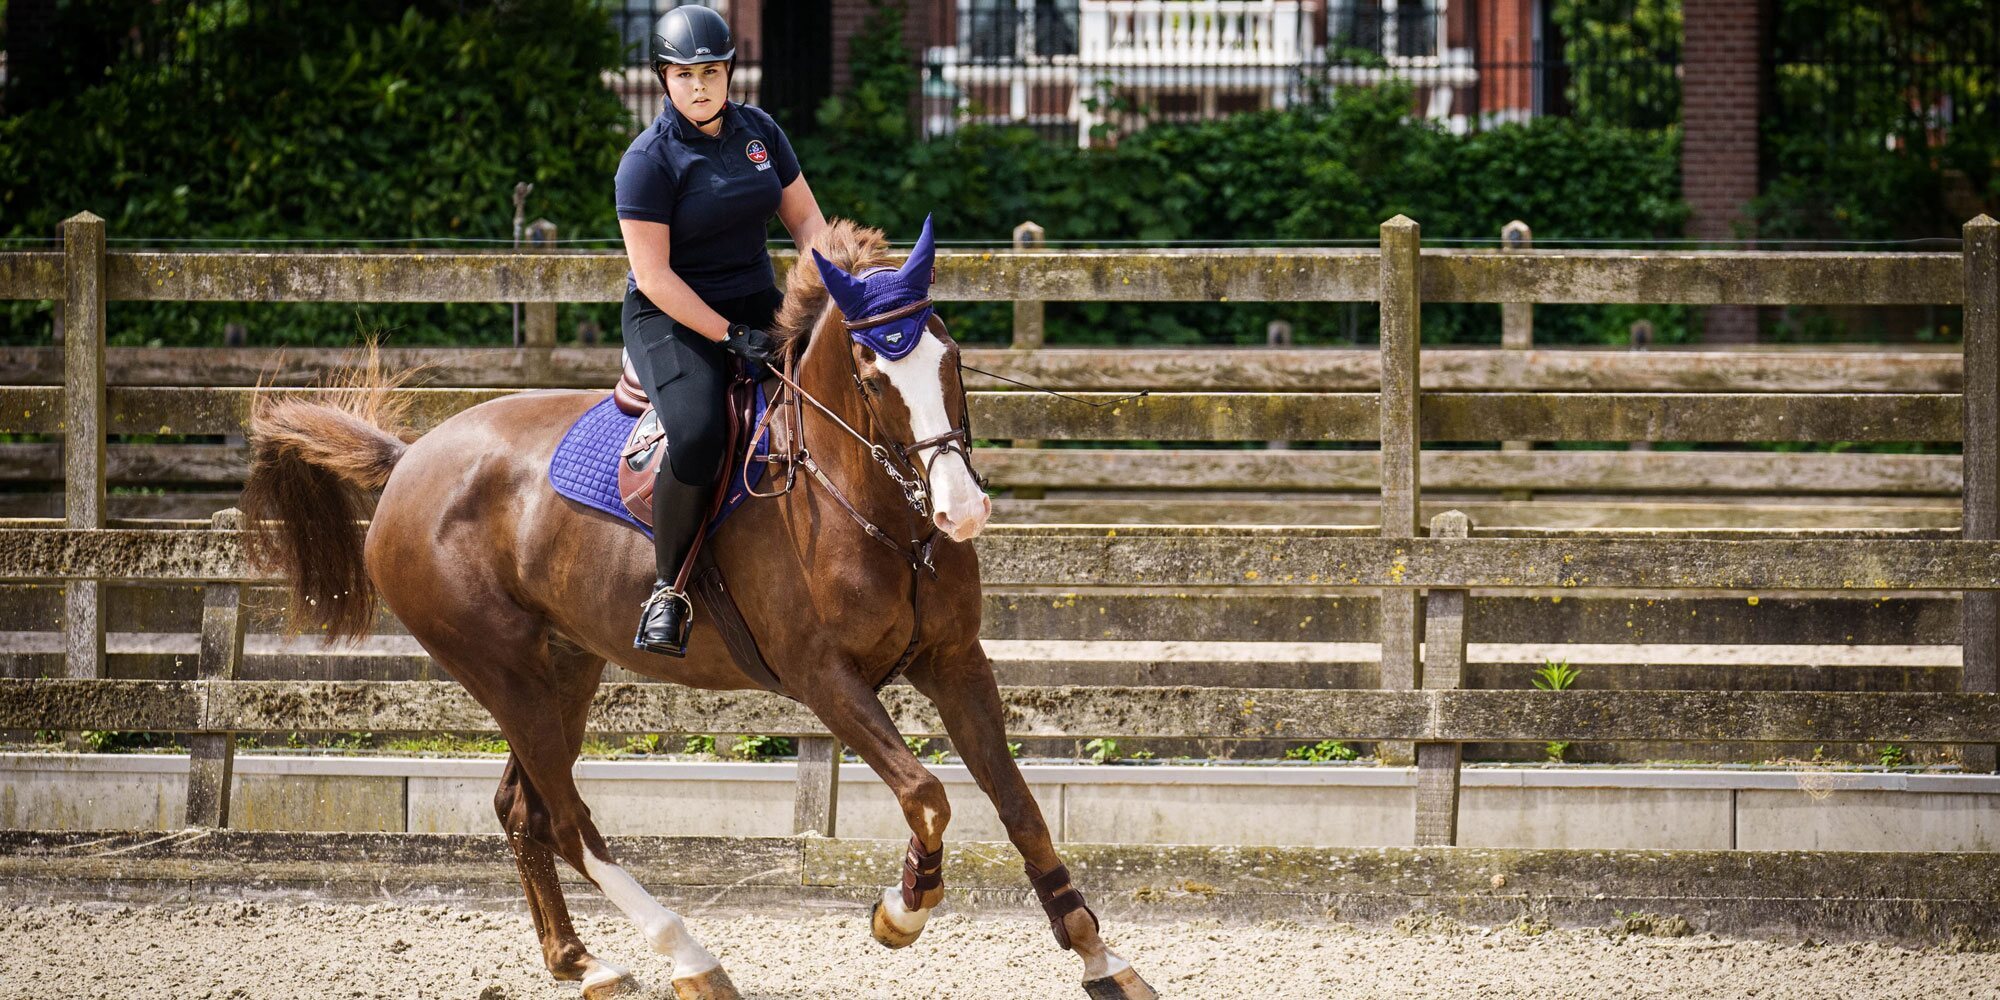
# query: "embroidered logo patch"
[756,151]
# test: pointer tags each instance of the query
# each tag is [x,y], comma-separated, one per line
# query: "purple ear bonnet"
[886,308]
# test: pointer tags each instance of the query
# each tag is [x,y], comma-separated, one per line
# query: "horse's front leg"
[852,713]
[966,696]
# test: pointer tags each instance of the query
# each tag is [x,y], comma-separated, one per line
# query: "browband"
[880,319]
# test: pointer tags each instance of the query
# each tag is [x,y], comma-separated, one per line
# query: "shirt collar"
[681,127]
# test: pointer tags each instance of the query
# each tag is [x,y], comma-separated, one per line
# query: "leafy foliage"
[1322,173]
[1322,752]
[419,122]
[1621,59]
[382,120]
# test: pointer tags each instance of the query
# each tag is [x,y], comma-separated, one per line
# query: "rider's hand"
[750,344]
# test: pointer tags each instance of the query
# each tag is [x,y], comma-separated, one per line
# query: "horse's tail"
[310,465]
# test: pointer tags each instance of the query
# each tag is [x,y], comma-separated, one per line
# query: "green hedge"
[386,121]
[420,124]
[1321,173]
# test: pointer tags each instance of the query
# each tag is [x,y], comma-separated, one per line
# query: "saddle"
[639,462]
[644,450]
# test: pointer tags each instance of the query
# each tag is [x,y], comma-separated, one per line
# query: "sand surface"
[255,950]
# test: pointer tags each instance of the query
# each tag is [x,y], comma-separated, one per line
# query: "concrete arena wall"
[1334,806]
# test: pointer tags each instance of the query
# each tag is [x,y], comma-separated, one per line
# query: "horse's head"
[908,366]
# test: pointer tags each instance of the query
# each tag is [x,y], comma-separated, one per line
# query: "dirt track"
[382,951]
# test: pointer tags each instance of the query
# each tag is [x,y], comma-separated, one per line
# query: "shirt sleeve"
[644,191]
[783,159]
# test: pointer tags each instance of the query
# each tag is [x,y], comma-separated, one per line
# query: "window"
[1017,30]
[1391,29]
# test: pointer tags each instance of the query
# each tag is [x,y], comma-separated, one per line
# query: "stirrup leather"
[668,593]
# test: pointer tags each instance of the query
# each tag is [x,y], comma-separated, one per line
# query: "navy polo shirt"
[716,193]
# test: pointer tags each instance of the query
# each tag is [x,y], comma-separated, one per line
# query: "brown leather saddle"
[645,448]
[640,460]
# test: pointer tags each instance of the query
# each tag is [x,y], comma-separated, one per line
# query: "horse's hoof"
[1124,984]
[886,933]
[607,981]
[711,985]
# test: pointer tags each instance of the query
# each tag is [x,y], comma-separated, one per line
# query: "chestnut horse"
[523,596]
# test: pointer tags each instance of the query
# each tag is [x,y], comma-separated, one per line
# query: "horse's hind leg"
[539,692]
[526,821]
[538,741]
[968,700]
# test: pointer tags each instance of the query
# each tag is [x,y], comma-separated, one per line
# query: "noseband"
[903,463]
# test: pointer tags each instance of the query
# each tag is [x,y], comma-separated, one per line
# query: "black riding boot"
[677,514]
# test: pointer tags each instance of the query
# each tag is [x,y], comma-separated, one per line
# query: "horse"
[522,596]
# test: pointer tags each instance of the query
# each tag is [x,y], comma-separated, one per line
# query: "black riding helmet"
[691,34]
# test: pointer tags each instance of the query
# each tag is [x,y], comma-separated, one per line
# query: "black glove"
[751,344]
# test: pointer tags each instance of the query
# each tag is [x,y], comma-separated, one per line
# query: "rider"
[695,193]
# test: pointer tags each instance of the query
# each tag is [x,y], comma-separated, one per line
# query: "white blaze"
[919,379]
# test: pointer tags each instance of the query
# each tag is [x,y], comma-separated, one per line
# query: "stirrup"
[668,593]
[676,644]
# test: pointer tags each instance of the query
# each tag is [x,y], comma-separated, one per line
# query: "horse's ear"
[848,292]
[921,264]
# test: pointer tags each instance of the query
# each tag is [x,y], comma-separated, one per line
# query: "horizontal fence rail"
[1706,473]
[1199,416]
[1160,556]
[1220,713]
[1211,369]
[1546,276]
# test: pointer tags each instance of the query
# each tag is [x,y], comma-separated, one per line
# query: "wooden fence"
[1429,582]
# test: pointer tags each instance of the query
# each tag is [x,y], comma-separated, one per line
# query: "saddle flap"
[639,462]
[645,449]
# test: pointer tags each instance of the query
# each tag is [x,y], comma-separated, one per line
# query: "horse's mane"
[848,244]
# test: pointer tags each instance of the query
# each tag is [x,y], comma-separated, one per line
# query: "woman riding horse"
[695,193]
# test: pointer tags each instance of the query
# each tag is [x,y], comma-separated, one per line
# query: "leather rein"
[902,463]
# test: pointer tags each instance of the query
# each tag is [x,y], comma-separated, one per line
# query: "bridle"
[902,463]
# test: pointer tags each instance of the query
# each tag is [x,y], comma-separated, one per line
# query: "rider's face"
[698,90]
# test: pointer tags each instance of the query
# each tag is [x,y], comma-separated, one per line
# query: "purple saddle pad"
[585,465]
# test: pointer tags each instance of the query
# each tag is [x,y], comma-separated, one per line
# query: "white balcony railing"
[1189,32]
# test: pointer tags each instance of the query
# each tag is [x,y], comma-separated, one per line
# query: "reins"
[904,465]
[912,479]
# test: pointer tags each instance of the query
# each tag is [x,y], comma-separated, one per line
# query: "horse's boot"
[665,618]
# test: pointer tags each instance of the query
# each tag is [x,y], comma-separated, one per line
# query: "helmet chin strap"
[704,122]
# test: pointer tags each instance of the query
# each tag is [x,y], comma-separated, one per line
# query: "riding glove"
[750,344]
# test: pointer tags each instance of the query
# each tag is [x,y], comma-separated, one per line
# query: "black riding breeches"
[686,377]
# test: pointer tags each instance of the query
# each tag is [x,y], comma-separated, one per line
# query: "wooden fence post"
[816,802]
[1401,291]
[1641,333]
[1028,335]
[539,318]
[83,431]
[1980,623]
[1517,319]
[212,756]
[1444,668]
[1028,329]
[1278,333]
[1517,330]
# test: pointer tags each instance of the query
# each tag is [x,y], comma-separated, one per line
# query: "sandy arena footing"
[249,951]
